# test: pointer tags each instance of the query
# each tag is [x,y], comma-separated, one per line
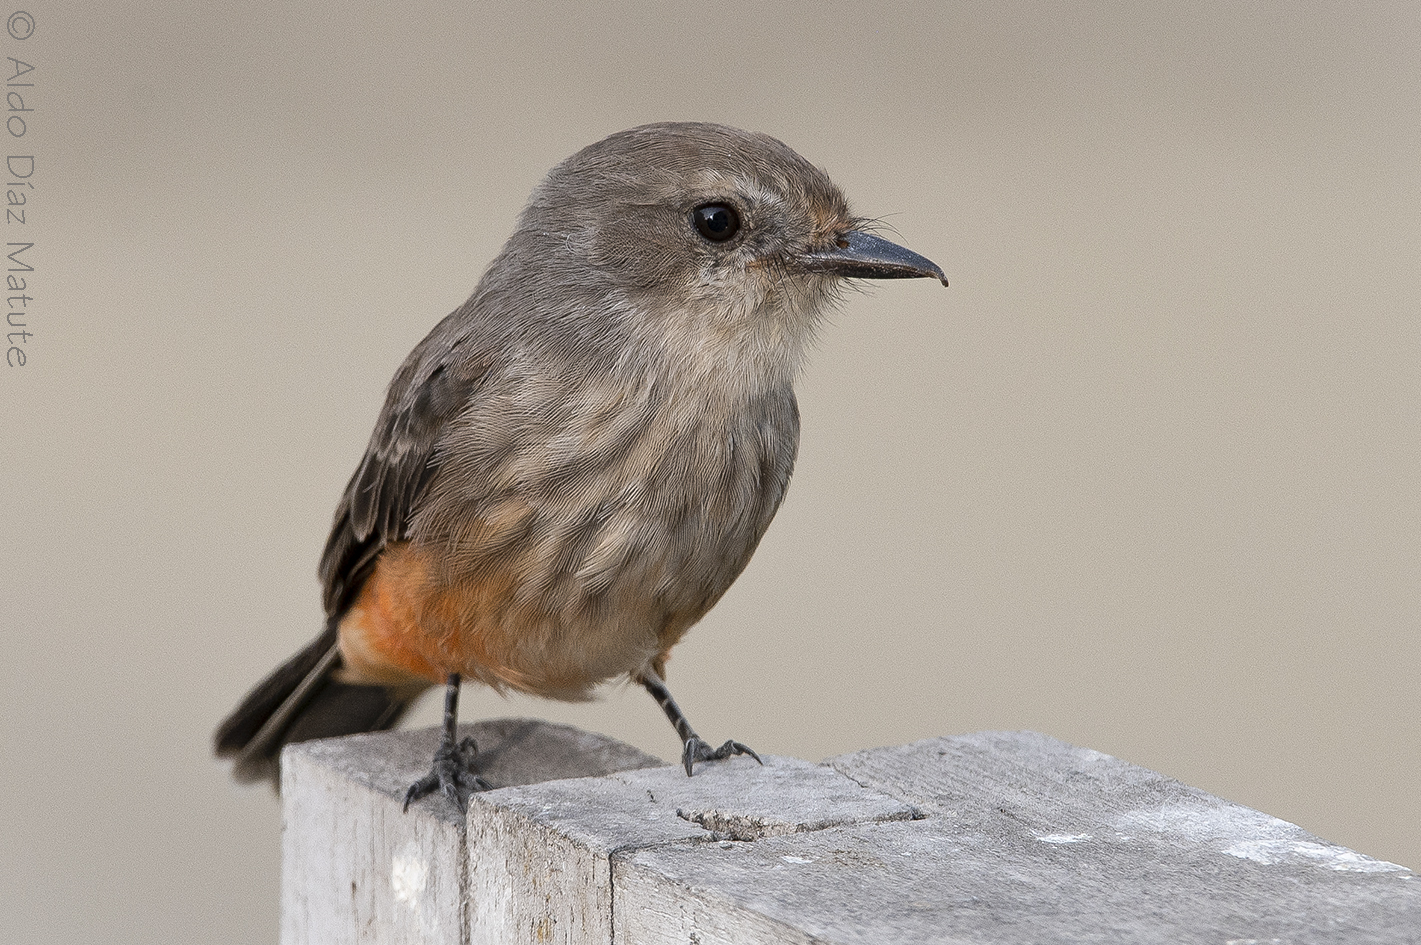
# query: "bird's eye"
[716,222]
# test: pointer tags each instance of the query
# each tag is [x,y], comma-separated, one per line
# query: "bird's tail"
[300,701]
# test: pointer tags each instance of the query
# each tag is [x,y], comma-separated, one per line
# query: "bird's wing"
[426,395]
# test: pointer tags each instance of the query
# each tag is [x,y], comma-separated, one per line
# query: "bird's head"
[704,236]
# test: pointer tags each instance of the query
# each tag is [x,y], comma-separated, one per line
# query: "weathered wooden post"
[999,837]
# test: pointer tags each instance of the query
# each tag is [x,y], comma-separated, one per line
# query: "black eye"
[716,222]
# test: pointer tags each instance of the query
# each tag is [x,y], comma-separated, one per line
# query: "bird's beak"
[861,255]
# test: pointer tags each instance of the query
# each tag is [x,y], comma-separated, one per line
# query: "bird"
[574,465]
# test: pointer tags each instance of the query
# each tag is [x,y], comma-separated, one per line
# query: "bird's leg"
[695,749]
[453,769]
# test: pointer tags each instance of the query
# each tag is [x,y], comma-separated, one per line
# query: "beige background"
[1144,478]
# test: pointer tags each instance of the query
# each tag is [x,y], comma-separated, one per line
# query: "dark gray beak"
[861,255]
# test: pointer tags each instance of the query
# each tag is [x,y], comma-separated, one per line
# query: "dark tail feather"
[300,701]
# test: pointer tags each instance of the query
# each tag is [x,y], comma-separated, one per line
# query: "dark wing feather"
[301,700]
[428,392]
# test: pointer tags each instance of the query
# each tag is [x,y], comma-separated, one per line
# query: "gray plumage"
[574,465]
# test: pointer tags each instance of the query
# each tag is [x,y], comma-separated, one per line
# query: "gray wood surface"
[985,838]
[542,855]
[356,869]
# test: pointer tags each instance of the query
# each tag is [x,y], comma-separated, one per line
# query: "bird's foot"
[453,775]
[698,750]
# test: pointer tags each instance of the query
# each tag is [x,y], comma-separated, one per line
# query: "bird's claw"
[698,750]
[452,775]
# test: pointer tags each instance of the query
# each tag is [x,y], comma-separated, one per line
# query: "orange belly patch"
[411,624]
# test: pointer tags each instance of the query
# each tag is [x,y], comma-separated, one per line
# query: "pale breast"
[615,520]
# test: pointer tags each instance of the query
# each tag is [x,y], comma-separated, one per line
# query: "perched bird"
[574,465]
